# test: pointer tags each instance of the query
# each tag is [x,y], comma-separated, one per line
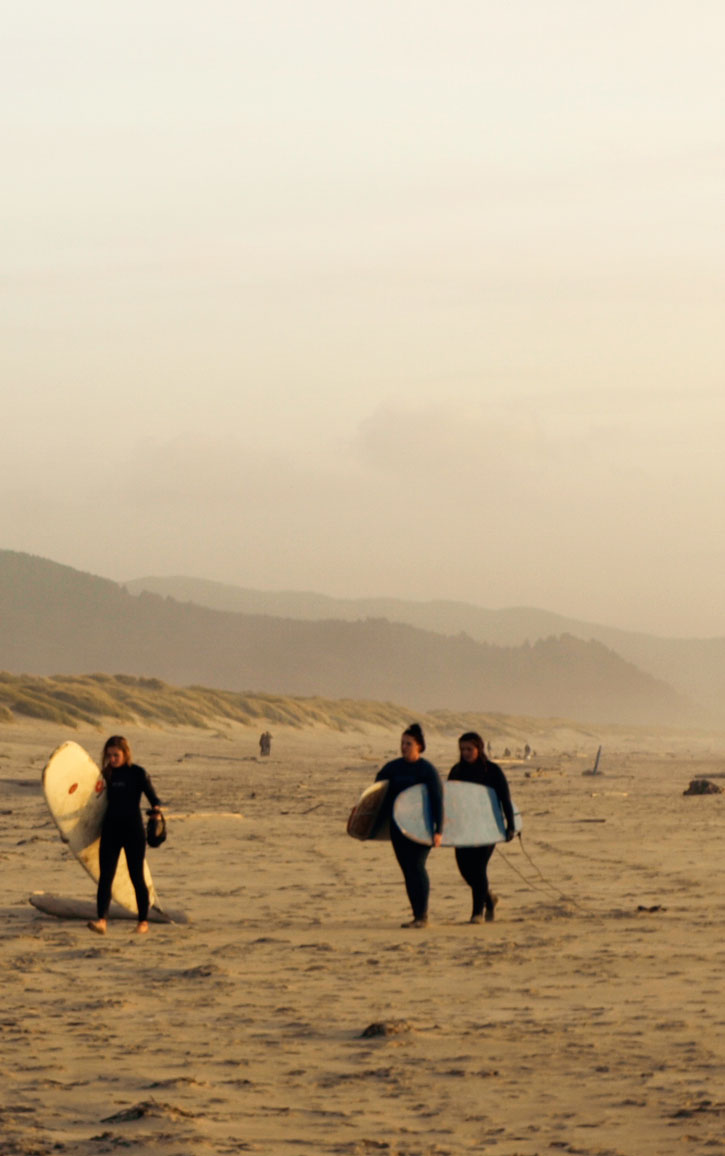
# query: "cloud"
[461,442]
[571,501]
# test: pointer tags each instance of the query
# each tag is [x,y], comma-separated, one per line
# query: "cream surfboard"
[75,792]
[365,818]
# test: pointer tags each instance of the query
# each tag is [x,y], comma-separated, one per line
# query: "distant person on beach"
[475,767]
[409,769]
[123,829]
[265,743]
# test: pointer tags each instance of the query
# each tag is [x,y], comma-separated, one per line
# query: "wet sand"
[588,1019]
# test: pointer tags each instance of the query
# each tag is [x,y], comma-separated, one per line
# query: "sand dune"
[589,1018]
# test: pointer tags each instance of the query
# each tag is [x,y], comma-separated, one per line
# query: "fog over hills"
[695,667]
[54,620]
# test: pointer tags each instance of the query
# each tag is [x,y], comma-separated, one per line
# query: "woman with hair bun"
[475,767]
[123,829]
[409,769]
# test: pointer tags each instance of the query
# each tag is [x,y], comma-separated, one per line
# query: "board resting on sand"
[86,909]
[75,792]
[365,818]
[472,815]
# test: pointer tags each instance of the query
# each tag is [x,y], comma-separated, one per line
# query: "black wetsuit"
[412,856]
[123,828]
[473,861]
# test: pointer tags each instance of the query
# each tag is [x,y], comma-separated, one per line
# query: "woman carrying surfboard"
[475,767]
[409,769]
[123,829]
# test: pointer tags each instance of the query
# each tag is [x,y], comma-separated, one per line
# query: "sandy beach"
[589,1018]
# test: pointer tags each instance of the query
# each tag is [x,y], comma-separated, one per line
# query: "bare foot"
[142,928]
[98,925]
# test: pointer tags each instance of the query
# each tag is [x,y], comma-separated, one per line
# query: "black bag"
[155,829]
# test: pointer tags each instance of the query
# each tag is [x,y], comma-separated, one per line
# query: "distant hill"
[695,667]
[58,620]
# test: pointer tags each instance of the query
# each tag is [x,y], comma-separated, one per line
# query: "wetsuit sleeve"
[435,792]
[455,772]
[148,789]
[383,773]
[501,787]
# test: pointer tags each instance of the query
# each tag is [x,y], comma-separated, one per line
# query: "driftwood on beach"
[702,787]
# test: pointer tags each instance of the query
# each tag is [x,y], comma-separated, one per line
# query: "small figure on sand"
[265,744]
[123,829]
[404,772]
[475,767]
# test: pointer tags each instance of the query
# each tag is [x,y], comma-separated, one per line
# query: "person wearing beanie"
[401,773]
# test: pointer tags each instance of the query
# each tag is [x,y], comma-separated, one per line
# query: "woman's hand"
[437,839]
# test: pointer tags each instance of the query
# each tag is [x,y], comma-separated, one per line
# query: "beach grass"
[92,699]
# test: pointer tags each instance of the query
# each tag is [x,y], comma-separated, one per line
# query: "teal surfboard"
[472,815]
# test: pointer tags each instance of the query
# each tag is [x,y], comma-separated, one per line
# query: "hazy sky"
[398,297]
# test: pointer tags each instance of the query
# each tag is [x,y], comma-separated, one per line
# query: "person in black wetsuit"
[476,767]
[405,772]
[123,828]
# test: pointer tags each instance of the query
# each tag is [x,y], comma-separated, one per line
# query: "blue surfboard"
[472,815]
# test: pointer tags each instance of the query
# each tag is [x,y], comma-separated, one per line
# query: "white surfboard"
[75,792]
[472,815]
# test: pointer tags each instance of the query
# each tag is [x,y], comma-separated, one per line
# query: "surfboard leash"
[535,886]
